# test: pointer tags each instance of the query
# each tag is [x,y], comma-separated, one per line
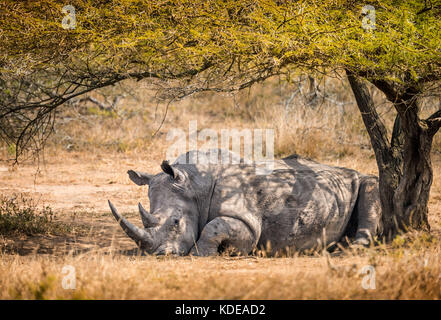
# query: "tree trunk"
[411,195]
[404,165]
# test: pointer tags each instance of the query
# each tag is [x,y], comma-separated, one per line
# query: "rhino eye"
[176,221]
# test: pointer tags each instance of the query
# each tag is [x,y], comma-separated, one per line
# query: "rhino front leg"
[224,232]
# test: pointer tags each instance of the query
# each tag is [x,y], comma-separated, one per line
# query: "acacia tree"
[182,47]
[404,160]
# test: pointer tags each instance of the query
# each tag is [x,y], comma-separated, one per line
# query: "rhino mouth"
[142,237]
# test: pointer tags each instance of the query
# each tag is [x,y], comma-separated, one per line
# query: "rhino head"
[173,223]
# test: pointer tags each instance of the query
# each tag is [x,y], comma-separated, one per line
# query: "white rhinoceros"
[202,208]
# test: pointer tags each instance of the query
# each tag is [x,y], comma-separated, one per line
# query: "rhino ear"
[140,178]
[168,169]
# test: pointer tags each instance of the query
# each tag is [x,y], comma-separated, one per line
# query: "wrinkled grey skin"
[200,208]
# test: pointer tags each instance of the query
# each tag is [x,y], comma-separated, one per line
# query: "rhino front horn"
[140,236]
[148,220]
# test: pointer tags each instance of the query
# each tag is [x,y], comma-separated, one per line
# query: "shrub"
[20,216]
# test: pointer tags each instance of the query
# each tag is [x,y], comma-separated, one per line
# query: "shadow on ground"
[87,235]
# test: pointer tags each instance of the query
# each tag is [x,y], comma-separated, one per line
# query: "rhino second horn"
[140,236]
[148,220]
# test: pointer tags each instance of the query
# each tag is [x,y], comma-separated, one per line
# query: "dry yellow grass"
[85,164]
[405,273]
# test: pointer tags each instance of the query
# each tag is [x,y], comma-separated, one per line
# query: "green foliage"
[175,37]
[398,241]
[183,47]
[12,149]
[19,216]
[40,290]
[101,112]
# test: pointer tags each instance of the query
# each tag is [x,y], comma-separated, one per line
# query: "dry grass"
[403,273]
[85,164]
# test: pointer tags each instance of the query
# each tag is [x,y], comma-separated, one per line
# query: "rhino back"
[291,206]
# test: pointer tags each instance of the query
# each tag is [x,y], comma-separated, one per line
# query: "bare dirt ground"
[107,263]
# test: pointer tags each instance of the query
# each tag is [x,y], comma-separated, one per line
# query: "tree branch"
[374,125]
[434,122]
[387,88]
[426,7]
